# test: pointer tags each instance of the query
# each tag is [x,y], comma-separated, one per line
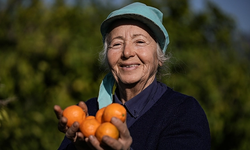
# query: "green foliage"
[221,86]
[49,55]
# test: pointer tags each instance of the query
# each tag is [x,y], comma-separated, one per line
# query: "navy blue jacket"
[174,122]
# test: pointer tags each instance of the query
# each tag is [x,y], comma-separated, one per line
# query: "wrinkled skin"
[132,57]
[83,143]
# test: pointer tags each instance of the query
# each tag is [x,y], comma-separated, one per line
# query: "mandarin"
[74,113]
[99,114]
[106,129]
[90,117]
[89,126]
[114,110]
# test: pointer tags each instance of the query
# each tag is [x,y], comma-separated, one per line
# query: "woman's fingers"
[62,123]
[93,143]
[123,143]
[122,127]
[58,111]
[125,139]
[72,132]
[83,106]
[112,143]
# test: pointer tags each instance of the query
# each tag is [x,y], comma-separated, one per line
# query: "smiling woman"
[135,42]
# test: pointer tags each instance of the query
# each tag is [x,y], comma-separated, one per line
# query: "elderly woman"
[157,117]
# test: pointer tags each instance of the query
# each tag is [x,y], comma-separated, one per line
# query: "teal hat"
[150,16]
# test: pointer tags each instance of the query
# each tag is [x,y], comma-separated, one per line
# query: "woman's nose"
[128,51]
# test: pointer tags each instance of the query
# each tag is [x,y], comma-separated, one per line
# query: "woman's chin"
[129,81]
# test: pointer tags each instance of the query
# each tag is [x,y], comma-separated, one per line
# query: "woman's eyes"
[117,45]
[140,42]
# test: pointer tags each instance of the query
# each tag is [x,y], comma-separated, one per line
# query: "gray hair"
[161,57]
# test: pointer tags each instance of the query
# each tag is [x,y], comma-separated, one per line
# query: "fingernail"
[75,124]
[91,137]
[113,119]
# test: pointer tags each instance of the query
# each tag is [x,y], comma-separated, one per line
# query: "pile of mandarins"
[98,125]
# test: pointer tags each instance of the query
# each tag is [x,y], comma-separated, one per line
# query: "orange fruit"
[106,129]
[90,117]
[114,110]
[74,113]
[89,126]
[99,114]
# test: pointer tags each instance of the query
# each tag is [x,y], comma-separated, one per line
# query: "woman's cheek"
[112,59]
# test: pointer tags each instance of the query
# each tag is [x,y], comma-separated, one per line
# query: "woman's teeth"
[129,66]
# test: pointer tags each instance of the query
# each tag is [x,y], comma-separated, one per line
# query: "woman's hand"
[72,132]
[123,143]
[81,142]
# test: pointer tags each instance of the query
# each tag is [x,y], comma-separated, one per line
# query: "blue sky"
[239,10]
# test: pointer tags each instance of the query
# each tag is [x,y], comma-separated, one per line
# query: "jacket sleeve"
[188,128]
[66,145]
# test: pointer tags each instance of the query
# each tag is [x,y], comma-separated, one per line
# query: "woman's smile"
[129,66]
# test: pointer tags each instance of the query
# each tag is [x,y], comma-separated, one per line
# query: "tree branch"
[7,101]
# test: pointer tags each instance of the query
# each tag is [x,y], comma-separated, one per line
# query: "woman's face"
[132,53]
